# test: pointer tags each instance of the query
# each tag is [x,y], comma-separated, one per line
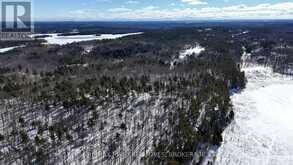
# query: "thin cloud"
[261,11]
[120,9]
[132,2]
[194,2]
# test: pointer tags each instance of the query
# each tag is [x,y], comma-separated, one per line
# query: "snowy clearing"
[191,51]
[62,40]
[195,51]
[262,131]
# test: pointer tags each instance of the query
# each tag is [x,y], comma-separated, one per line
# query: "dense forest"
[123,101]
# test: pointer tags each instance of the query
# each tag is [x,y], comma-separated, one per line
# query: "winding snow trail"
[262,132]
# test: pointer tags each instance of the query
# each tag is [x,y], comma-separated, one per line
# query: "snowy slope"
[262,133]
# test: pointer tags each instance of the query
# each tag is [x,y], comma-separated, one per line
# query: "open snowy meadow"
[262,132]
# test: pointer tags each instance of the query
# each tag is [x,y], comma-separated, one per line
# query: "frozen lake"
[3,50]
[54,38]
[262,132]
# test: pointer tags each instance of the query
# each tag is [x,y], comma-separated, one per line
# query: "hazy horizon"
[162,10]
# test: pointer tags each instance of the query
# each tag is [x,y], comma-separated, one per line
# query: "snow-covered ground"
[3,50]
[191,51]
[62,40]
[262,132]
[195,51]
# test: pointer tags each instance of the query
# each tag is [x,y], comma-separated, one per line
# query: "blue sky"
[161,9]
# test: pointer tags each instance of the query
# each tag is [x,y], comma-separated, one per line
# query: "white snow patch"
[3,50]
[88,49]
[262,131]
[191,51]
[185,53]
[241,33]
[62,40]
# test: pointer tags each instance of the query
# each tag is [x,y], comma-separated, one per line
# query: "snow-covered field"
[62,40]
[262,132]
